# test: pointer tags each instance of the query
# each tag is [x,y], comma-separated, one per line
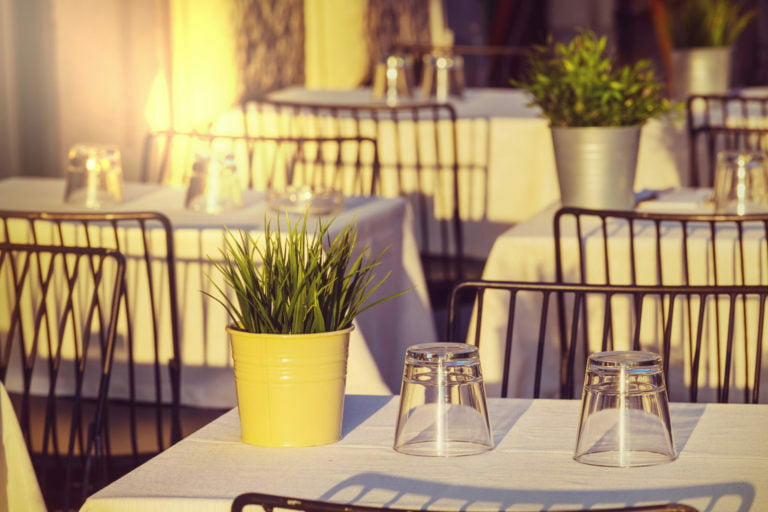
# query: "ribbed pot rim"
[597,128]
[261,335]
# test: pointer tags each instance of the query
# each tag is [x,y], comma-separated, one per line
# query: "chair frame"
[709,120]
[270,502]
[569,334]
[252,143]
[145,221]
[449,258]
[657,221]
[93,446]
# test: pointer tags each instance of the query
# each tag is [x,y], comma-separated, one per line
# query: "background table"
[507,165]
[526,252]
[723,450]
[377,345]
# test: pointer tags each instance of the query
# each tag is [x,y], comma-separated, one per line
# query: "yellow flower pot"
[290,387]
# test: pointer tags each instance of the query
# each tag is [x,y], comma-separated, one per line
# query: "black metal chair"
[561,323]
[349,164]
[142,419]
[418,161]
[59,316]
[717,123]
[268,503]
[596,238]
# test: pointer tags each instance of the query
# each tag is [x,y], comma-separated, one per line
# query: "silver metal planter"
[704,70]
[596,166]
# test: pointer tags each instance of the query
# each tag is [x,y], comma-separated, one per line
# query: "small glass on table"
[443,408]
[214,186]
[624,411]
[741,182]
[94,176]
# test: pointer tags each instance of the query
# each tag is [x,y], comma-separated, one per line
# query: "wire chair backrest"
[349,164]
[148,326]
[557,325]
[268,503]
[617,247]
[418,157]
[717,123]
[58,320]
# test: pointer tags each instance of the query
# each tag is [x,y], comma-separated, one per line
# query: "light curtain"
[335,45]
[108,71]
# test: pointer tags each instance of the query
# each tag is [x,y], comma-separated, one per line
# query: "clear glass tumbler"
[741,182]
[214,186]
[393,79]
[624,411]
[443,408]
[94,176]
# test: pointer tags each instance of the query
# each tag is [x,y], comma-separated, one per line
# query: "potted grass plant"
[702,34]
[293,296]
[595,112]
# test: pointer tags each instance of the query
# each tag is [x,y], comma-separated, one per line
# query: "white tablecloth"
[377,345]
[526,252]
[19,490]
[506,157]
[723,452]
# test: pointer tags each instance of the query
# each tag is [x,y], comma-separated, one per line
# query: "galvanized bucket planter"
[596,166]
[704,70]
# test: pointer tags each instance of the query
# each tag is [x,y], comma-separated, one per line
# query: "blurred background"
[110,70]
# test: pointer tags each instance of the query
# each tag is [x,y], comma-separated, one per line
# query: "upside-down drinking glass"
[442,402]
[741,182]
[94,176]
[624,411]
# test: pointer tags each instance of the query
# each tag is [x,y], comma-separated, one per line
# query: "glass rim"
[624,359]
[441,352]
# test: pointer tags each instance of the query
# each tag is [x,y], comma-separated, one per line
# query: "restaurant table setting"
[722,451]
[443,445]
[527,253]
[506,160]
[198,237]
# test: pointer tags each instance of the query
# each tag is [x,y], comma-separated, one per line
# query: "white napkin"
[694,200]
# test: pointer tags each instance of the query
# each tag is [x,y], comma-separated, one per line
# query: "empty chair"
[58,320]
[349,164]
[534,338]
[144,416]
[638,247]
[717,123]
[269,502]
[418,161]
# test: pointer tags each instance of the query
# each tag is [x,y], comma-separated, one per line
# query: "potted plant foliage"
[595,112]
[702,33]
[293,298]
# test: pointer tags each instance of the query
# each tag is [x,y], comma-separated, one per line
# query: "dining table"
[526,252]
[380,336]
[722,451]
[506,159]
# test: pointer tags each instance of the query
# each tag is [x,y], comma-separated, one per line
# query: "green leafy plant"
[300,283]
[695,23]
[576,84]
